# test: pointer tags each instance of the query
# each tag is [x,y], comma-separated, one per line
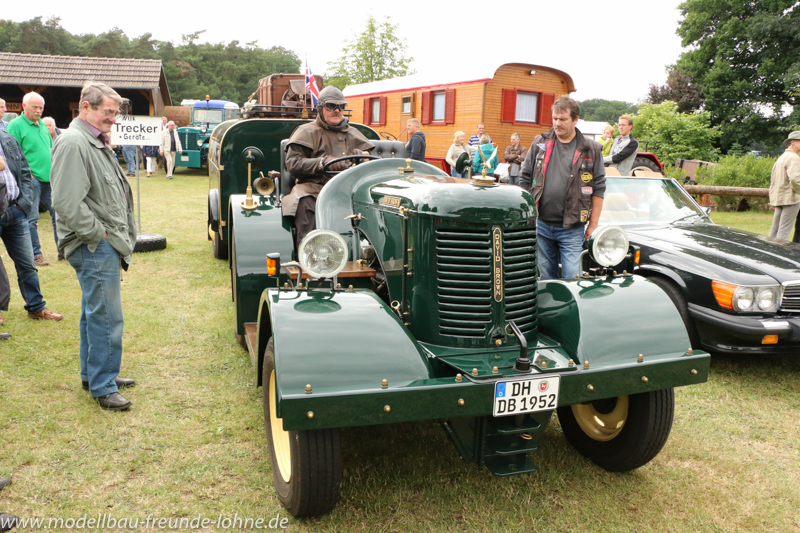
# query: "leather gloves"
[336,167]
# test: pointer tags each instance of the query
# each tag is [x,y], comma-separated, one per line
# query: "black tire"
[220,250]
[679,300]
[642,163]
[646,423]
[149,242]
[239,337]
[306,465]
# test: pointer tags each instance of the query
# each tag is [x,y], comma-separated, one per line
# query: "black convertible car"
[737,292]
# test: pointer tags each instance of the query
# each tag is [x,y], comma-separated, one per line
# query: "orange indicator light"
[272,266]
[723,292]
[636,258]
[769,339]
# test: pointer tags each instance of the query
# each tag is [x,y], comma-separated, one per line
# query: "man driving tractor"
[311,157]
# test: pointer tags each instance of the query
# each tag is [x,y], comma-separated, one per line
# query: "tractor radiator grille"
[189,140]
[464,271]
[519,269]
[790,303]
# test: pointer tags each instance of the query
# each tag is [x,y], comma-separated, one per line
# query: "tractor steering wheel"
[344,158]
[386,135]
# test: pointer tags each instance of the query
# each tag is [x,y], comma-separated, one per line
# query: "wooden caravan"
[511,98]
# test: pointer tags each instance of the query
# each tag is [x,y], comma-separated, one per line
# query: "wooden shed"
[59,80]
[511,98]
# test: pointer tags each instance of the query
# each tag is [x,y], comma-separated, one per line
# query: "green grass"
[193,443]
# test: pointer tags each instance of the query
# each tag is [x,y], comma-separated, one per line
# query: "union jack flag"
[311,87]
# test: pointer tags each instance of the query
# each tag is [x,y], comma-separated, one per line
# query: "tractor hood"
[425,190]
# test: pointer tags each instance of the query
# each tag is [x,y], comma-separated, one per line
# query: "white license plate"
[525,396]
[184,158]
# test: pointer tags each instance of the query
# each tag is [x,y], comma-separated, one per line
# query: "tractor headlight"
[203,129]
[199,144]
[608,245]
[323,253]
[743,298]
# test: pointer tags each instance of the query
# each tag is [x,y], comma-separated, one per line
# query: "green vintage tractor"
[417,298]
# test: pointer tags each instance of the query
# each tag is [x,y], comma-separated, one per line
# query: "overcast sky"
[612,50]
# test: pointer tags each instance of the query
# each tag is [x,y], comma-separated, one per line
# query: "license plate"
[184,158]
[525,396]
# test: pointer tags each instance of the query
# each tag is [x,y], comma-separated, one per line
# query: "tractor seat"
[287,180]
[389,149]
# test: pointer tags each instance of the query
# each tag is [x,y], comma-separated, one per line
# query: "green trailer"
[417,298]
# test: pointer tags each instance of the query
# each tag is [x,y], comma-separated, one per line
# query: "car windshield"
[213,116]
[647,201]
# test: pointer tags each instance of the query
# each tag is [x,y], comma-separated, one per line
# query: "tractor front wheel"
[306,465]
[621,433]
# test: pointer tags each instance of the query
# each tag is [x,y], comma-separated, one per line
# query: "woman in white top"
[456,149]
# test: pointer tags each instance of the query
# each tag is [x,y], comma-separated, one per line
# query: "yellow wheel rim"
[280,438]
[600,426]
[210,232]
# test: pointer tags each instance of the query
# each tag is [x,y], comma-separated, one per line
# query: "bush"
[740,171]
[676,135]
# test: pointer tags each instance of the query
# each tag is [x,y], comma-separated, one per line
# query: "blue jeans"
[101,316]
[40,192]
[455,174]
[129,153]
[556,244]
[16,235]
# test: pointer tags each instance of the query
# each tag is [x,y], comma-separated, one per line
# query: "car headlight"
[743,298]
[323,253]
[608,245]
[199,144]
[203,129]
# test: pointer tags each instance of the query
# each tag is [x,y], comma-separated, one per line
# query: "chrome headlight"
[203,129]
[608,245]
[743,298]
[199,144]
[323,253]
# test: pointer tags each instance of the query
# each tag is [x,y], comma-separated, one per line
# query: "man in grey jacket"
[96,234]
[624,149]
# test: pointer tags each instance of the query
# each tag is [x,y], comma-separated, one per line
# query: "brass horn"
[264,185]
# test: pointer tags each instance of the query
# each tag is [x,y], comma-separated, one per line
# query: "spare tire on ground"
[149,242]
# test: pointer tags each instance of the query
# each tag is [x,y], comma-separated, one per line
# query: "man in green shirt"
[33,136]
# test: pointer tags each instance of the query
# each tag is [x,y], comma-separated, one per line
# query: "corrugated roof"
[457,74]
[70,71]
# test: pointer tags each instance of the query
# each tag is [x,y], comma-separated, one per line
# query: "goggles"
[333,107]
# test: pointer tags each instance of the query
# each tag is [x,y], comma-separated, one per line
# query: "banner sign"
[136,130]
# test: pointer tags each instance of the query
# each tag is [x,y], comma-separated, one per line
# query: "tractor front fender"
[333,344]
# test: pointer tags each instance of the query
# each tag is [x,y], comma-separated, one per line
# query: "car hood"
[740,251]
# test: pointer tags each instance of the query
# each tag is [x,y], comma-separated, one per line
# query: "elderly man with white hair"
[33,136]
[170,144]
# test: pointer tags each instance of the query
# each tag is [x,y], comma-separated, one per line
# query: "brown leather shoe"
[122,383]
[113,402]
[40,261]
[45,314]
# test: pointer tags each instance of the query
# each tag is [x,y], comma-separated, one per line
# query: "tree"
[744,59]
[377,54]
[597,109]
[675,135]
[679,89]
[193,69]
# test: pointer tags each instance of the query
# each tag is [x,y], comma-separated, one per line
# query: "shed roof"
[439,77]
[71,71]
